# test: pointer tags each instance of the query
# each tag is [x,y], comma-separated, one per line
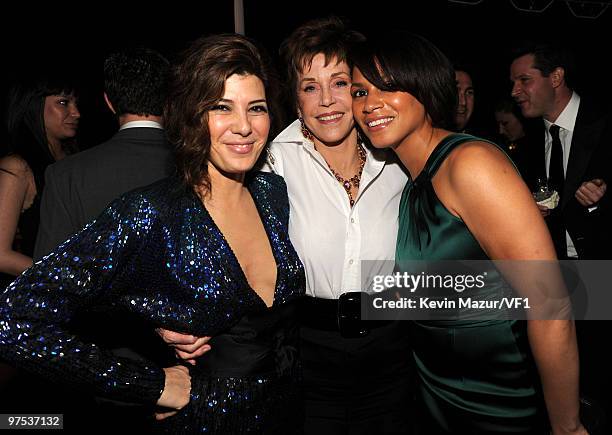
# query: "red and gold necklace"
[355,179]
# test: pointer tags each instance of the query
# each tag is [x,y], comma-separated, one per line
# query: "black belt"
[342,315]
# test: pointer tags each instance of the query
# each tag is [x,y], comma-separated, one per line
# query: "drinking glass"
[542,189]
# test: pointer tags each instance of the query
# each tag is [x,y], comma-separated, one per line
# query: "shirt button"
[352,220]
[350,261]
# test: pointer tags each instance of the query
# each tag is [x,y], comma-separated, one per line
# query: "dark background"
[56,36]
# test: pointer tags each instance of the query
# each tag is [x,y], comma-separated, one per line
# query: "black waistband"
[260,343]
[324,314]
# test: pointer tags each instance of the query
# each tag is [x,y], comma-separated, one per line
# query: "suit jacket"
[590,157]
[80,186]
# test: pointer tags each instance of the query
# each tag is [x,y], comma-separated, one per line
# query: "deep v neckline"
[234,258]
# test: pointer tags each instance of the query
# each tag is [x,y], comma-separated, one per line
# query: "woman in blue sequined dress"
[205,253]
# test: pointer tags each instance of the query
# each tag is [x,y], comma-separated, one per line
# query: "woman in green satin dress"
[465,201]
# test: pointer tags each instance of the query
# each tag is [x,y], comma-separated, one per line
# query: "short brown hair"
[197,83]
[329,36]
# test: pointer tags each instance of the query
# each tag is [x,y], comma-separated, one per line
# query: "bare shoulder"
[476,151]
[476,160]
[16,178]
[15,165]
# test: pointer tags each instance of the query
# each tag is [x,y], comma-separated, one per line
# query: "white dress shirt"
[332,239]
[567,121]
[140,124]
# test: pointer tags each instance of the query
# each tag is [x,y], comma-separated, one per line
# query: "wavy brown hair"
[197,83]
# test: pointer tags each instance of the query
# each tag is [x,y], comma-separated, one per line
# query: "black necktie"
[555,170]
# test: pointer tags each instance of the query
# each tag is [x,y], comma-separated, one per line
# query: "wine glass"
[542,189]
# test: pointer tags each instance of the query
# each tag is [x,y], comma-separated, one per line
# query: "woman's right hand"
[186,347]
[581,431]
[578,430]
[177,390]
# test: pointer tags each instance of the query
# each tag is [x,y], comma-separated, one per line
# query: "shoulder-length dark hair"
[25,119]
[329,36]
[401,61]
[197,83]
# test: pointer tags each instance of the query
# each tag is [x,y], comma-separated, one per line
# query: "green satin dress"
[474,376]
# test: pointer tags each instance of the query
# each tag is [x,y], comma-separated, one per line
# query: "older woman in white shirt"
[344,200]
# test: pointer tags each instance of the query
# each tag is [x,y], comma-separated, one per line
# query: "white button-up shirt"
[567,122]
[140,124]
[332,239]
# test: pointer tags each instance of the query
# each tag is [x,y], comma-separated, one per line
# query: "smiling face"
[387,118]
[239,124]
[324,100]
[61,115]
[465,91]
[534,93]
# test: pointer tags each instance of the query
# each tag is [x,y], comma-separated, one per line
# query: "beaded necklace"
[355,179]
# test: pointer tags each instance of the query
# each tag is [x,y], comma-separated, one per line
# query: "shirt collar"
[567,118]
[139,124]
[293,133]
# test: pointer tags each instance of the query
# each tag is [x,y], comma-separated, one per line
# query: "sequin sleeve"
[35,308]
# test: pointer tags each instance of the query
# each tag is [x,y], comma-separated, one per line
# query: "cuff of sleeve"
[153,385]
[143,386]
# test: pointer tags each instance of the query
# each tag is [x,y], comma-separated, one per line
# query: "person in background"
[42,124]
[578,159]
[509,122]
[519,136]
[574,152]
[469,369]
[80,187]
[465,92]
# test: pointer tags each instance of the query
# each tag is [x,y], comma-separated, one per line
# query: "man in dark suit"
[575,153]
[575,149]
[78,188]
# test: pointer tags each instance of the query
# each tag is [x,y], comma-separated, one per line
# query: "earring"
[305,132]
[360,140]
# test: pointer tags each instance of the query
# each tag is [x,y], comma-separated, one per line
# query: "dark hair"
[401,61]
[508,105]
[197,83]
[25,119]
[467,68]
[135,81]
[329,36]
[547,57]
[464,65]
[531,126]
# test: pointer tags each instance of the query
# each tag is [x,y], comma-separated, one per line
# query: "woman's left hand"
[177,389]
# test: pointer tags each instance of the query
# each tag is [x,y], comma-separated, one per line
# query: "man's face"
[465,90]
[534,93]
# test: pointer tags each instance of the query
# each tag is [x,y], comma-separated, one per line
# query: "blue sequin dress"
[157,253]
